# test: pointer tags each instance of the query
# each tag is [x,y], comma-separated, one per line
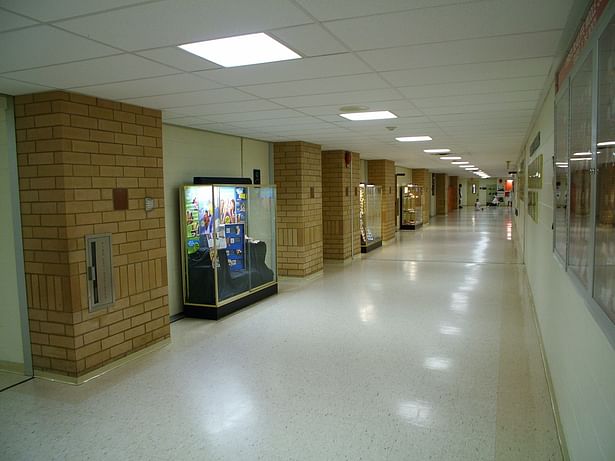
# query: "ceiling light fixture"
[472,169]
[450,158]
[437,151]
[241,50]
[581,154]
[377,115]
[414,138]
[466,166]
[606,143]
[460,163]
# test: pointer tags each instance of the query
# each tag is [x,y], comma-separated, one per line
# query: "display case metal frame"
[222,307]
[408,196]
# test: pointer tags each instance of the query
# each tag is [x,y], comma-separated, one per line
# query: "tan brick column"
[441,193]
[422,177]
[73,150]
[298,177]
[340,204]
[382,173]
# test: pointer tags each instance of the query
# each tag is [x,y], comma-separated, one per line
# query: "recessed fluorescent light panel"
[414,138]
[460,163]
[241,50]
[437,151]
[450,158]
[472,169]
[606,143]
[582,154]
[377,115]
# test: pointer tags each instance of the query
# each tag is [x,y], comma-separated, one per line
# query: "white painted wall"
[11,345]
[580,358]
[188,153]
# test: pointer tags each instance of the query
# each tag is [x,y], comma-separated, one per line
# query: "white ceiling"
[469,73]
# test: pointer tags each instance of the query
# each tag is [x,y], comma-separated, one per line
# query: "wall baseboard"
[545,363]
[76,381]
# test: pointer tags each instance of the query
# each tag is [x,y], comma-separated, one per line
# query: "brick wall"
[298,177]
[422,177]
[441,193]
[73,150]
[340,198]
[382,173]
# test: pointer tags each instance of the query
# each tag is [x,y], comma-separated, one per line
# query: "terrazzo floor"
[422,350]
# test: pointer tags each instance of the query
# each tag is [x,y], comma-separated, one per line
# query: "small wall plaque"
[120,199]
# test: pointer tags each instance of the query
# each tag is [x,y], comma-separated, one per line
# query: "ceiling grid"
[468,73]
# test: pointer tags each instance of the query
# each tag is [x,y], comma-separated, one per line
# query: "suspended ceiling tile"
[155,86]
[259,115]
[309,40]
[472,99]
[325,10]
[93,71]
[175,22]
[523,46]
[453,22]
[186,121]
[535,67]
[298,69]
[485,86]
[343,99]
[212,110]
[43,46]
[317,86]
[60,9]
[518,115]
[15,87]
[176,57]
[9,21]
[192,98]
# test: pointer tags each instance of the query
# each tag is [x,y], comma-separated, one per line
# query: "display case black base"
[216,313]
[410,226]
[371,246]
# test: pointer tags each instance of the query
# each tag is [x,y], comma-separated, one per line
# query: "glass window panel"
[260,236]
[229,233]
[560,199]
[580,165]
[604,269]
[370,215]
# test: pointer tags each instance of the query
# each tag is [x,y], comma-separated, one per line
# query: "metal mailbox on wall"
[99,271]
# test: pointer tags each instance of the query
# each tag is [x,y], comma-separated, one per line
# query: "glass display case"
[370,216]
[411,207]
[604,233]
[228,246]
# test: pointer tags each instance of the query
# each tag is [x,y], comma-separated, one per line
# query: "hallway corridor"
[422,350]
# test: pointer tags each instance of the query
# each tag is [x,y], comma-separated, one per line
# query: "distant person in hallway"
[495,201]
[477,206]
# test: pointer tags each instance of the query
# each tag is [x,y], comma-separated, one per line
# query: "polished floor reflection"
[423,350]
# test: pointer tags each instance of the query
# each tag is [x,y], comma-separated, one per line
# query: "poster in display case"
[228,247]
[411,207]
[370,216]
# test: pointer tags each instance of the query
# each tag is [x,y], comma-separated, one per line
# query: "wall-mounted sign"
[534,174]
